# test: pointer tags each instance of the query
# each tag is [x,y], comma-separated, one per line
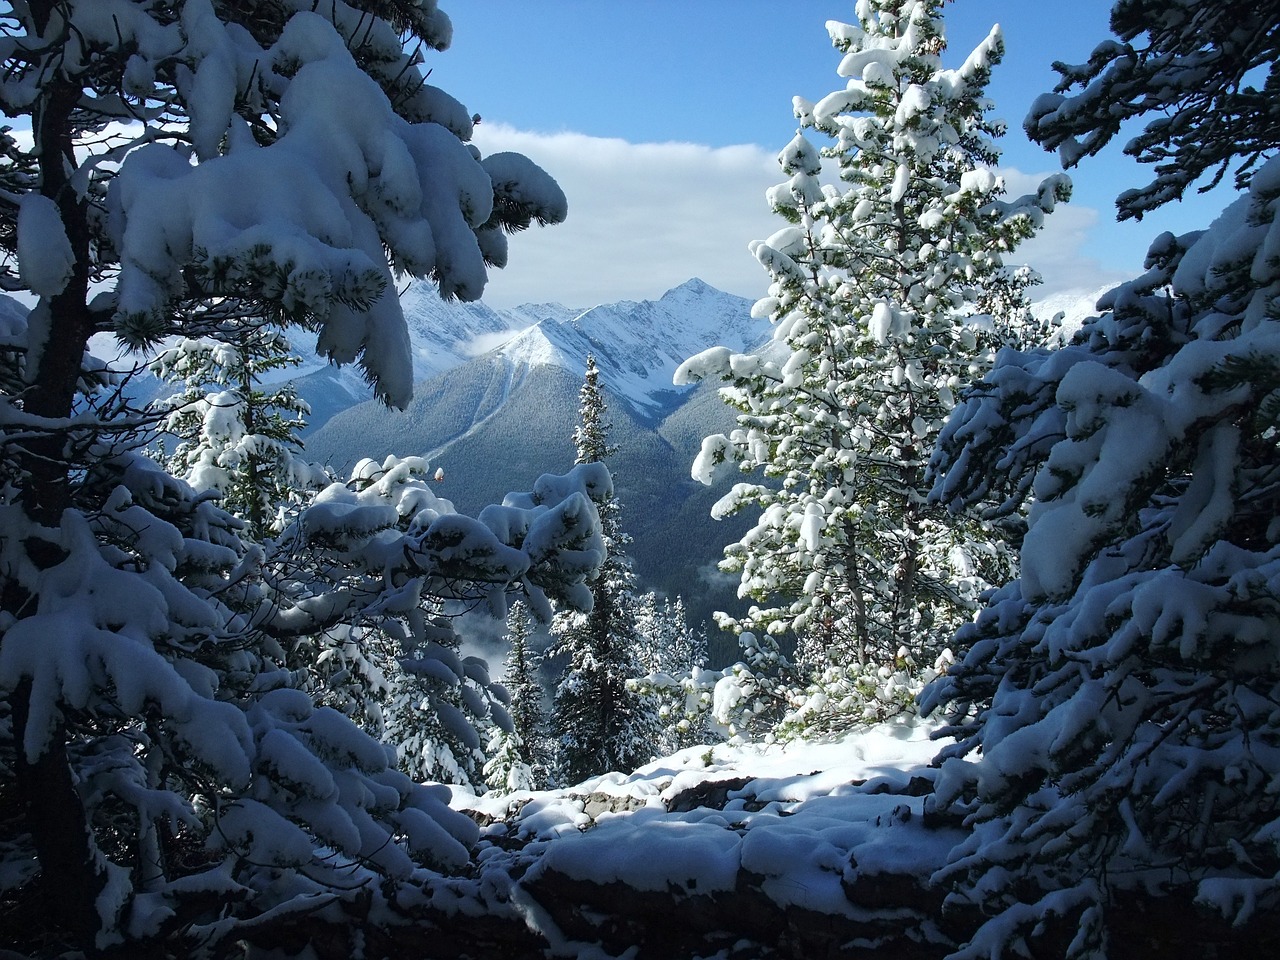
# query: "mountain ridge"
[497,421]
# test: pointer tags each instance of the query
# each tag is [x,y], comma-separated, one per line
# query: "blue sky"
[661,119]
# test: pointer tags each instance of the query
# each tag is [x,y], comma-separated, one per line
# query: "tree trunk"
[70,877]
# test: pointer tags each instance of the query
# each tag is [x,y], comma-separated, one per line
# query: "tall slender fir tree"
[599,725]
[519,759]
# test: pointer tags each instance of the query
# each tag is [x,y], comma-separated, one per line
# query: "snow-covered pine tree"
[693,642]
[1116,711]
[277,158]
[393,664]
[234,434]
[505,771]
[666,641]
[1197,64]
[242,442]
[882,298]
[671,653]
[598,725]
[519,760]
[441,709]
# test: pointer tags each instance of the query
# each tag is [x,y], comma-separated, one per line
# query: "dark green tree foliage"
[528,712]
[166,789]
[1118,709]
[1204,77]
[598,724]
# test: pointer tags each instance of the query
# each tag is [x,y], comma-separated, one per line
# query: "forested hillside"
[488,423]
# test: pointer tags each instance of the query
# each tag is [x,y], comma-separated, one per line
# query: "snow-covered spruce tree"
[167,793]
[239,442]
[597,724]
[235,435]
[666,641]
[519,759]
[1116,715]
[391,663]
[882,299]
[673,657]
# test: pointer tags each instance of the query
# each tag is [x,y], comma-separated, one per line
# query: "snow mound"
[806,824]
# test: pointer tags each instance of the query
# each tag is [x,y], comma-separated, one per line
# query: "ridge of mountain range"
[637,345]
[496,401]
[495,419]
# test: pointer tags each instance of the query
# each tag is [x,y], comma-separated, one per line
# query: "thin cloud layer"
[645,217]
[642,218]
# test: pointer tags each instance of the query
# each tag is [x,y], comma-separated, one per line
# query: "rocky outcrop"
[866,901]
[745,922]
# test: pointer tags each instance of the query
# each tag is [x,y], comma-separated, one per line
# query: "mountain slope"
[495,428]
[443,335]
[495,423]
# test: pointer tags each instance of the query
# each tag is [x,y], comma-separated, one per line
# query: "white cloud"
[483,343]
[1060,252]
[644,217]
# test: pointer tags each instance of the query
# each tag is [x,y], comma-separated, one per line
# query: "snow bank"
[704,819]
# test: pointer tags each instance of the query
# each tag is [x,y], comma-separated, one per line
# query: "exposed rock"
[668,924]
[712,794]
[595,804]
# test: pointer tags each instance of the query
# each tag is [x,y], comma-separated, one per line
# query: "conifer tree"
[1201,76]
[167,789]
[242,442]
[670,653]
[598,724]
[667,643]
[235,435]
[882,298]
[1115,714]
[519,759]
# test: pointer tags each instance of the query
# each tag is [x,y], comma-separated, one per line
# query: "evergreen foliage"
[168,791]
[599,725]
[1204,82]
[519,760]
[240,440]
[1118,736]
[672,653]
[421,698]
[889,292]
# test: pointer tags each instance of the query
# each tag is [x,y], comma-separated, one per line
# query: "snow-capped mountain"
[638,346]
[497,421]
[1074,306]
[442,335]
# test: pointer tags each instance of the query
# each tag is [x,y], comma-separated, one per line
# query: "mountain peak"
[639,345]
[695,286]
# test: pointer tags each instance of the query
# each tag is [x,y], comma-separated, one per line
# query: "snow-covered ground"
[808,824]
